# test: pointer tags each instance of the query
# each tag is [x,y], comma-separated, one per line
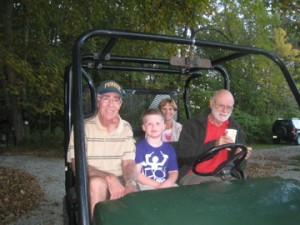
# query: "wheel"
[280,131]
[227,166]
[297,141]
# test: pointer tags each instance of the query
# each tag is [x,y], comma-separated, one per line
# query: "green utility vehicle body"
[265,201]
[255,201]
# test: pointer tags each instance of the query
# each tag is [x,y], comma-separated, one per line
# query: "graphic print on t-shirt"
[154,166]
[167,135]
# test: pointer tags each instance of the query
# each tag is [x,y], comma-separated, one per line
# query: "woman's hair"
[166,101]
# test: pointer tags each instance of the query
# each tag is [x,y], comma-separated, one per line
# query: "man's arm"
[115,188]
[241,138]
[92,171]
[129,175]
[191,142]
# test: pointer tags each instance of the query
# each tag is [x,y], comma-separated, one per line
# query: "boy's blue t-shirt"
[156,162]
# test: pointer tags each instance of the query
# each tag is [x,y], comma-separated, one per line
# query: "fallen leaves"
[264,166]
[19,192]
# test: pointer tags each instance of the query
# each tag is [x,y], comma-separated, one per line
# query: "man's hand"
[227,140]
[130,186]
[248,154]
[223,140]
[115,188]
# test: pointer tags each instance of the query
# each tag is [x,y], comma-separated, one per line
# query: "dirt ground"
[283,161]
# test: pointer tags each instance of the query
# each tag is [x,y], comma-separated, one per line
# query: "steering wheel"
[225,168]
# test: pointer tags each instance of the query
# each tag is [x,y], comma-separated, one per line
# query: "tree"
[37,38]
[9,76]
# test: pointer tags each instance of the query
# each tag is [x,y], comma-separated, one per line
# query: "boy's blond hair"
[152,111]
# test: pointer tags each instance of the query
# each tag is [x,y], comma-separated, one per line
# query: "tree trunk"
[12,102]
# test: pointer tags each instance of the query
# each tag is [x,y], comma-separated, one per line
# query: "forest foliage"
[37,38]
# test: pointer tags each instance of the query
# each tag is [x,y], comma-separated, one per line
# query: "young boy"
[156,160]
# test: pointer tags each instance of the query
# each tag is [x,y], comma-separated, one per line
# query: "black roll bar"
[116,35]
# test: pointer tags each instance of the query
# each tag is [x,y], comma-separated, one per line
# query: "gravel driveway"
[276,162]
[50,175]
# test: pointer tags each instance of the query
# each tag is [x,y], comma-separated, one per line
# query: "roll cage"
[105,59]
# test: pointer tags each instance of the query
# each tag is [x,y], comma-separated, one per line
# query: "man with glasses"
[206,131]
[110,148]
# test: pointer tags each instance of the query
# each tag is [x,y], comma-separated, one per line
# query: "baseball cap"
[110,86]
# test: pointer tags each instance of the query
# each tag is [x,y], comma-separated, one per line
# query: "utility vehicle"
[271,200]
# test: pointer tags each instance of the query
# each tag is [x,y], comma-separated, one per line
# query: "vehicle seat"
[136,101]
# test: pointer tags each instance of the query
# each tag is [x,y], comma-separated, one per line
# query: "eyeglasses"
[107,100]
[222,107]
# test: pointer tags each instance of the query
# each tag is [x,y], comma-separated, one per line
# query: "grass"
[56,152]
[297,158]
[296,162]
[271,146]
[263,146]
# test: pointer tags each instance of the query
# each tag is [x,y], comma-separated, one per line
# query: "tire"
[280,131]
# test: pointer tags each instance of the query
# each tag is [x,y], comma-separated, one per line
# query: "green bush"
[257,129]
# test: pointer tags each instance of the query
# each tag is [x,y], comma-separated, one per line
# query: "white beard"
[220,116]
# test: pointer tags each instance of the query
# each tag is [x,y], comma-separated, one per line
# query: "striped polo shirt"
[105,151]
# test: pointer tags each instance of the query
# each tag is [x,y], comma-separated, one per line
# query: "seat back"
[136,101]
